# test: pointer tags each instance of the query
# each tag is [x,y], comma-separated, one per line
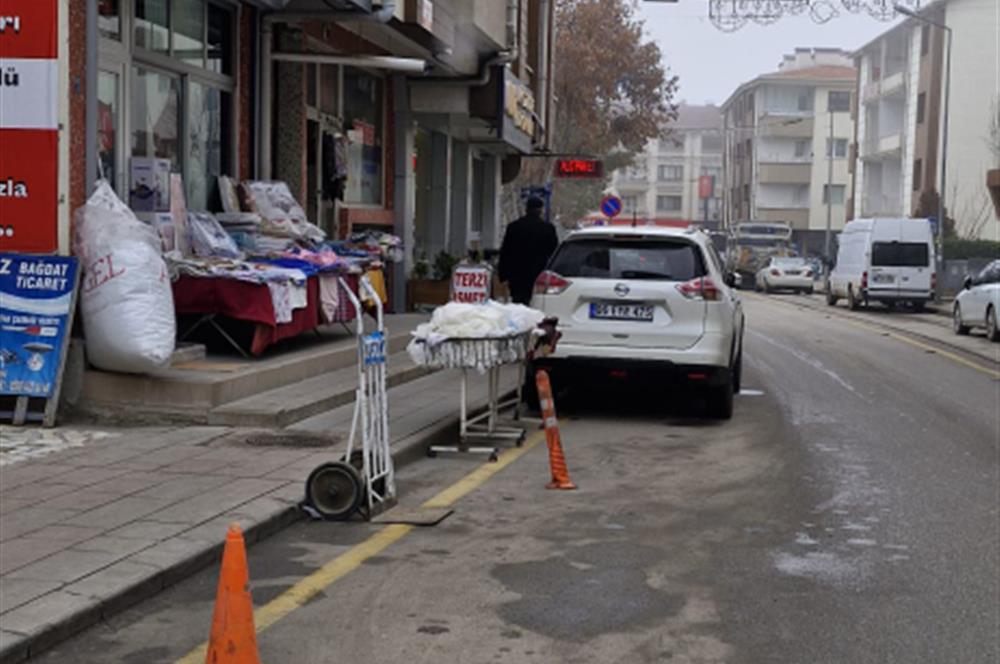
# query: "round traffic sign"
[611,206]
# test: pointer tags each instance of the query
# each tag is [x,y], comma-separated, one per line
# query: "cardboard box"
[149,190]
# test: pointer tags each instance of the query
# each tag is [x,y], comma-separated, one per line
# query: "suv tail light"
[550,283]
[864,280]
[933,282]
[775,272]
[702,288]
[809,273]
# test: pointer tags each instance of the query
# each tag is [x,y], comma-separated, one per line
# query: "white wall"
[910,119]
[783,196]
[975,91]
[843,128]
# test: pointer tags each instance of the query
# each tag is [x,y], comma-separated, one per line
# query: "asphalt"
[850,512]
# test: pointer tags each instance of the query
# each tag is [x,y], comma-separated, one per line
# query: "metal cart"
[364,479]
[478,354]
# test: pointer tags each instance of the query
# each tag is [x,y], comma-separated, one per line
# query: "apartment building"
[899,118]
[787,136]
[677,179]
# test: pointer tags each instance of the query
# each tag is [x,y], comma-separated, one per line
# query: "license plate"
[621,311]
[882,278]
[792,273]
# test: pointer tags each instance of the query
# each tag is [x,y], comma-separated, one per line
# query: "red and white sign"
[29,126]
[471,284]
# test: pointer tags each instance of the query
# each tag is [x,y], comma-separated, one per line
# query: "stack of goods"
[387,246]
[282,218]
[477,336]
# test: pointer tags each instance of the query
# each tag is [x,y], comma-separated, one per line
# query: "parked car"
[884,260]
[978,303]
[785,273]
[644,303]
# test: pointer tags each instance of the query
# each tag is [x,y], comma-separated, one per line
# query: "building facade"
[787,138]
[678,178]
[428,104]
[900,119]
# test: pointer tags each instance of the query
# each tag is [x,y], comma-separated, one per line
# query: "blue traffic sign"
[611,206]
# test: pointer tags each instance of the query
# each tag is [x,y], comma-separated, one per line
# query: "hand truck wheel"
[334,490]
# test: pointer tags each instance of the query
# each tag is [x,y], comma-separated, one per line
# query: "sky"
[711,64]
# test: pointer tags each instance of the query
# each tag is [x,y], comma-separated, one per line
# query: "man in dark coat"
[527,246]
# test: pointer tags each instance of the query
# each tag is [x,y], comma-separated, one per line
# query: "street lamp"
[906,11]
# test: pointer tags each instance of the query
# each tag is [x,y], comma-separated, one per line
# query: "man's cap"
[535,203]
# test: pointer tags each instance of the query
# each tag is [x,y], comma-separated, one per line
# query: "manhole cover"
[290,439]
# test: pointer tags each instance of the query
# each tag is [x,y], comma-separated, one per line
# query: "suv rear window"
[626,258]
[900,254]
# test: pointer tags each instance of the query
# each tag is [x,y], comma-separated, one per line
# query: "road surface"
[849,512]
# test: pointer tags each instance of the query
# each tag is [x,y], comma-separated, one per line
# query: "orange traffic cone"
[557,461]
[233,639]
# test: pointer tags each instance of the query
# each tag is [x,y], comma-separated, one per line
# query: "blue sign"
[611,206]
[36,306]
[373,348]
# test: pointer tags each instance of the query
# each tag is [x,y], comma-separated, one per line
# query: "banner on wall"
[29,125]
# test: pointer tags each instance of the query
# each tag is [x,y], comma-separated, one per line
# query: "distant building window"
[802,148]
[805,100]
[918,173]
[670,173]
[838,101]
[672,144]
[839,147]
[629,204]
[668,203]
[711,142]
[921,103]
[925,39]
[833,195]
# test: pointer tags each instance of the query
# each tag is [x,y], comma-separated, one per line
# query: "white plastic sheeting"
[125,297]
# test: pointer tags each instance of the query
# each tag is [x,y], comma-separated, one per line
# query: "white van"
[884,260]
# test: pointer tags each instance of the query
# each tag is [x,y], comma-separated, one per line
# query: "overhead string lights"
[731,15]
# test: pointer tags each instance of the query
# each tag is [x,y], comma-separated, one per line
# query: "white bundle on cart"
[474,336]
[125,297]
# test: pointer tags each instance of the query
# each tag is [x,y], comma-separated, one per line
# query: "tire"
[831,298]
[334,490]
[808,291]
[720,400]
[956,321]
[737,379]
[853,303]
[767,287]
[992,328]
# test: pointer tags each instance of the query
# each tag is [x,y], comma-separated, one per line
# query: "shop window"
[363,120]
[152,25]
[329,89]
[208,143]
[220,40]
[107,124]
[109,19]
[189,32]
[156,115]
[311,90]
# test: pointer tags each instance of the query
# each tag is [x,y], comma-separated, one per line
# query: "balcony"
[892,85]
[880,147]
[782,158]
[784,173]
[797,124]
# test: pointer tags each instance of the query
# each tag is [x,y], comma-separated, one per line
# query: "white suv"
[644,302]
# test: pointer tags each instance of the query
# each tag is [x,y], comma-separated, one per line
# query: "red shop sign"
[29,108]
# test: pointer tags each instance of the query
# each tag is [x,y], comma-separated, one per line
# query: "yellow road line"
[350,560]
[885,331]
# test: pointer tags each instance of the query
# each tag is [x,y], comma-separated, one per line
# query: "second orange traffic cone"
[557,461]
[233,639]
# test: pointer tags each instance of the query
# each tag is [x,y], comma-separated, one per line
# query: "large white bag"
[125,295]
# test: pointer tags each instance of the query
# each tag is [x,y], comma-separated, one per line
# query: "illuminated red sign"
[706,186]
[579,168]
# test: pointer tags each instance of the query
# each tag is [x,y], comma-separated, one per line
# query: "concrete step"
[287,405]
[188,391]
[187,352]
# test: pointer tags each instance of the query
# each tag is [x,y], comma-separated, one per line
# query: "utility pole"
[829,185]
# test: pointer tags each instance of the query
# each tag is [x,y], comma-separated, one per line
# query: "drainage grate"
[284,439]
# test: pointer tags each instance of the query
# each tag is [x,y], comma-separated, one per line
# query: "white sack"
[125,295]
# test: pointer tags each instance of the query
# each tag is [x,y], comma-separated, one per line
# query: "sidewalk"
[95,520]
